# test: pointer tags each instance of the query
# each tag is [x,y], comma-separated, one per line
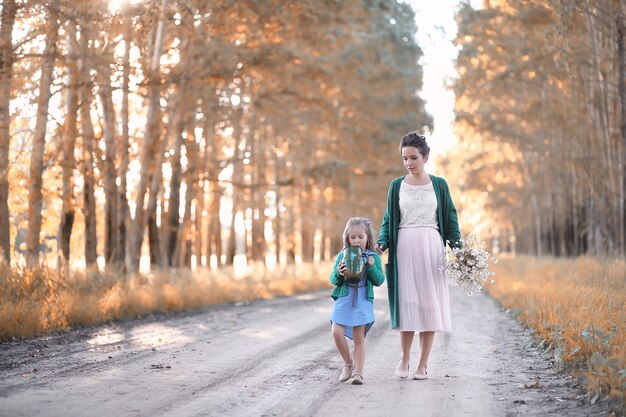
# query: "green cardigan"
[448,229]
[375,276]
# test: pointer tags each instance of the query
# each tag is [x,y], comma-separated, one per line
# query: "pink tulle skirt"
[423,295]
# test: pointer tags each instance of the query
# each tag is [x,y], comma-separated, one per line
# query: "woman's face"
[357,236]
[413,160]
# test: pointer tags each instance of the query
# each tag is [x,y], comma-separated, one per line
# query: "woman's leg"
[426,344]
[341,343]
[406,340]
[358,333]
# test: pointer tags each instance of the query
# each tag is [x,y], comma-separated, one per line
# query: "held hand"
[370,260]
[378,248]
[342,267]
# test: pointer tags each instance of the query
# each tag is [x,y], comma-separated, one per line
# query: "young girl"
[353,312]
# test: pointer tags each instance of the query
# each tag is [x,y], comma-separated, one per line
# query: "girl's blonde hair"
[355,221]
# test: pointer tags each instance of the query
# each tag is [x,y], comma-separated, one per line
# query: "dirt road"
[276,358]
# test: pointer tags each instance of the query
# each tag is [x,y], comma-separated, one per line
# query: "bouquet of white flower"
[468,265]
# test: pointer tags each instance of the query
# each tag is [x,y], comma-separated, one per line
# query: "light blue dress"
[354,309]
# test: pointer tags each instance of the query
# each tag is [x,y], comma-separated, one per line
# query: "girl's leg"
[358,333]
[426,343]
[341,343]
[406,340]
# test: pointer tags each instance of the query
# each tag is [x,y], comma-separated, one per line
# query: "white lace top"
[418,205]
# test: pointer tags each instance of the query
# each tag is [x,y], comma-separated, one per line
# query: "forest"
[541,119]
[191,133]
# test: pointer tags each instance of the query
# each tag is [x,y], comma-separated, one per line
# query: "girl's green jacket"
[375,276]
[448,229]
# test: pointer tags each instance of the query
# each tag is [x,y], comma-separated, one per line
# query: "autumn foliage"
[193,132]
[540,110]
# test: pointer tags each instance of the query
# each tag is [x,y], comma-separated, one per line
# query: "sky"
[436,31]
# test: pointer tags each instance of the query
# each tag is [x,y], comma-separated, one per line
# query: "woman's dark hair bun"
[415,140]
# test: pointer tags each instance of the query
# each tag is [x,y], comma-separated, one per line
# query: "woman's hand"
[379,248]
[342,267]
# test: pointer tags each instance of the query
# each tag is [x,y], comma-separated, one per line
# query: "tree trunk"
[214,234]
[599,95]
[123,220]
[181,117]
[259,246]
[290,250]
[148,147]
[621,56]
[306,210]
[154,242]
[69,144]
[326,247]
[111,194]
[308,249]
[9,9]
[231,245]
[182,254]
[158,251]
[89,200]
[336,244]
[307,229]
[277,220]
[182,113]
[35,192]
[237,176]
[198,238]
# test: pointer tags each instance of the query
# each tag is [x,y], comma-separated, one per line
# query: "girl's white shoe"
[346,373]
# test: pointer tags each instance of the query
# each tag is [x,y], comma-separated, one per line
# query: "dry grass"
[576,307]
[36,301]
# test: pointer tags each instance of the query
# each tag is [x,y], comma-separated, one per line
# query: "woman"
[420,217]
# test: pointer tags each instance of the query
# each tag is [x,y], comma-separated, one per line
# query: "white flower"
[468,265]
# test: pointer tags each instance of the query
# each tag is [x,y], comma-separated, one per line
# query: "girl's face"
[413,160]
[357,236]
